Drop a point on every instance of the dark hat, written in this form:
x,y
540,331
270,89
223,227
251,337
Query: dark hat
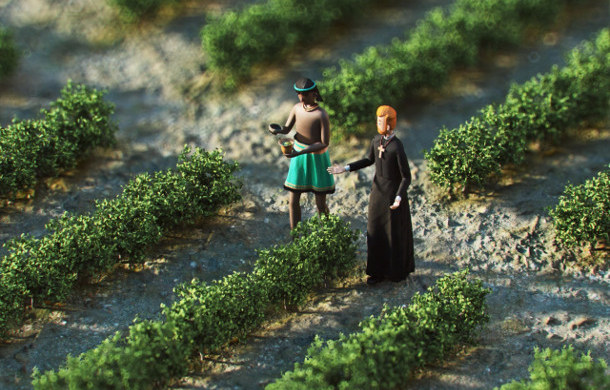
x,y
305,85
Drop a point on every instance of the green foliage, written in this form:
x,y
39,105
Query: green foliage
x,y
388,348
210,315
583,212
9,56
82,118
20,147
76,123
469,149
441,42
323,248
266,32
12,295
120,229
542,109
134,10
563,370
205,316
123,362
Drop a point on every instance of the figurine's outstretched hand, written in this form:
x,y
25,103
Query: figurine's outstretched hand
x,y
396,204
336,169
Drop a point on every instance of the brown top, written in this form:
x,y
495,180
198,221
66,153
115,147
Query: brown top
x,y
311,126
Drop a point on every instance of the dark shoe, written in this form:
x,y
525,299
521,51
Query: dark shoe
x,y
374,280
397,280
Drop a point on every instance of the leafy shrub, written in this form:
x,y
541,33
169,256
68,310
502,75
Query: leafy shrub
x,y
76,123
12,296
81,117
134,10
388,348
583,212
441,42
322,249
121,229
20,145
542,109
122,362
9,56
266,32
206,316
563,370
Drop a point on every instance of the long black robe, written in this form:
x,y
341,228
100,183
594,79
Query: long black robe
x,y
389,232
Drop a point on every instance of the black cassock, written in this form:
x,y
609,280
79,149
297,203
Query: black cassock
x,y
389,232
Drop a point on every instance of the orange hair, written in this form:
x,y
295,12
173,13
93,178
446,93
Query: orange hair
x,y
390,113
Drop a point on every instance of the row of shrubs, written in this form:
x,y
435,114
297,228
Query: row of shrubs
x,y
582,214
261,33
542,109
264,33
387,349
118,230
205,316
76,123
9,55
444,40
563,370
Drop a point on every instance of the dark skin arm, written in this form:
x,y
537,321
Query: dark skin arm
x,y
274,129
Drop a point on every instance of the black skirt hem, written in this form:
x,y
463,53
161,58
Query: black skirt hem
x,y
310,190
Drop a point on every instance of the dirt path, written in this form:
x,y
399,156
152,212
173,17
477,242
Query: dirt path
x,y
154,77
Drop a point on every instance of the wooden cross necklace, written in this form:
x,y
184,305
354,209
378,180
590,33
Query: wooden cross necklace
x,y
382,147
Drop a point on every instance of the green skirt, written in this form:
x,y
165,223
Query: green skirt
x,y
307,172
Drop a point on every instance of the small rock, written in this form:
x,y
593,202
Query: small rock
x,y
553,336
550,320
581,322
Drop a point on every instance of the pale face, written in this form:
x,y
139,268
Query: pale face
x,y
382,125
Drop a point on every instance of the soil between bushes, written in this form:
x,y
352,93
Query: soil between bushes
x,y
155,74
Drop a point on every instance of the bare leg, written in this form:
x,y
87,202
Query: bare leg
x,y
321,203
294,208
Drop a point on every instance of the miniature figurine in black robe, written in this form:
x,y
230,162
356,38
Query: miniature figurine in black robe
x,y
389,230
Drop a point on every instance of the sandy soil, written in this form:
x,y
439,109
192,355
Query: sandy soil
x,y
155,74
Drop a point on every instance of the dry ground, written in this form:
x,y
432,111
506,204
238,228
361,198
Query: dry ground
x,y
154,76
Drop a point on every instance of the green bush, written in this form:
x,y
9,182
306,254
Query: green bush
x,y
9,56
582,214
76,123
20,148
383,354
118,230
134,10
205,316
442,41
563,370
130,362
542,109
266,32
323,249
